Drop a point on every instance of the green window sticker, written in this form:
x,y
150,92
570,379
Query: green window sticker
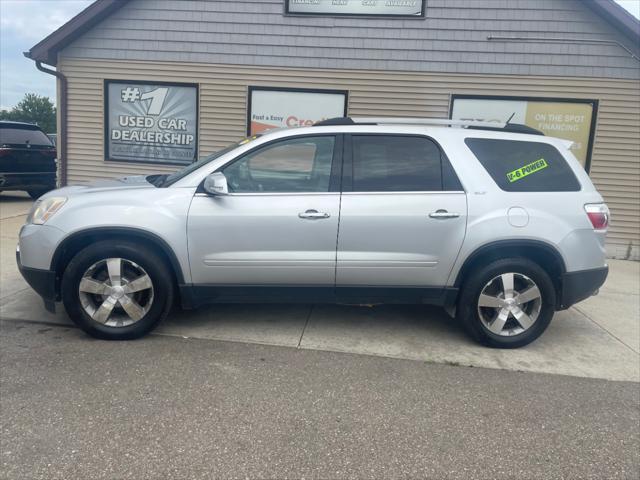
x,y
533,167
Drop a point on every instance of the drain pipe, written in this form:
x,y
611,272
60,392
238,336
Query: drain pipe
x,y
61,144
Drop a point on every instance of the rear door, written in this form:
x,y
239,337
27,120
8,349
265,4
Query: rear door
x,y
403,215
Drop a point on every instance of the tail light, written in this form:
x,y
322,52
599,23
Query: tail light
x,y
598,214
49,152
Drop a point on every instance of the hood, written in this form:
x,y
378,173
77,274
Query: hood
x,y
124,183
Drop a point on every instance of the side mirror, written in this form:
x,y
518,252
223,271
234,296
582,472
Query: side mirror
x,y
216,184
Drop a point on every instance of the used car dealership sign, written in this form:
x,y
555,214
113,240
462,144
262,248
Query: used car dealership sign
x,y
151,122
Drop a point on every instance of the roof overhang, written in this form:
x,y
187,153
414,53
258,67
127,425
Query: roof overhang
x,y
46,51
617,16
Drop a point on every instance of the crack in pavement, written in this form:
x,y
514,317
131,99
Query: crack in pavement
x,y
605,330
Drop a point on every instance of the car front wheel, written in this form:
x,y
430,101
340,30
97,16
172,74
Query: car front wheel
x,y
117,290
507,304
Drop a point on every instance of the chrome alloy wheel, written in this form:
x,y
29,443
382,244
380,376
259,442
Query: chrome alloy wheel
x,y
509,304
116,292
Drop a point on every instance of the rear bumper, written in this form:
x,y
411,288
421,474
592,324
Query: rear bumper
x,y
576,286
42,281
19,181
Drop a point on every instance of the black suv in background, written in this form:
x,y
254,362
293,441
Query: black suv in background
x,y
27,159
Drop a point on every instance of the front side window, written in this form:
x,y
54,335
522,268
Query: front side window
x,y
519,166
293,165
396,163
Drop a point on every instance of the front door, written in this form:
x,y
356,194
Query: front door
x,y
279,223
403,221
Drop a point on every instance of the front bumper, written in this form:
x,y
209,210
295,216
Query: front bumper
x,y
44,282
576,286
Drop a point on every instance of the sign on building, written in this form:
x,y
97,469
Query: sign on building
x,y
292,107
569,119
151,122
389,8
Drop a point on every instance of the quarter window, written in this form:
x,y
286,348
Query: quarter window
x,y
397,163
294,165
518,166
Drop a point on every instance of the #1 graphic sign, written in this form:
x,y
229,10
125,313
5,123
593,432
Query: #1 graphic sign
x,y
151,122
288,107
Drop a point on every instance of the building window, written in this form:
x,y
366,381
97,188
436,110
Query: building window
x,y
567,118
272,107
152,122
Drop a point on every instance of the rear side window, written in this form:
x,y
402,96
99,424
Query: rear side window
x,y
518,166
399,163
22,135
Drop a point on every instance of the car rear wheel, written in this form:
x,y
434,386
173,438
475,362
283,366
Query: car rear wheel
x,y
117,290
507,304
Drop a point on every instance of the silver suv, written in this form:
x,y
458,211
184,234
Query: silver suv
x,y
497,223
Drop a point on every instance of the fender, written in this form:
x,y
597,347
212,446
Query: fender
x,y
129,232
521,244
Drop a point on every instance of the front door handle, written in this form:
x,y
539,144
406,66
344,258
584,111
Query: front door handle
x,y
313,215
443,214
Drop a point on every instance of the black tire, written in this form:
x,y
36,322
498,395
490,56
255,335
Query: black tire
x,y
153,264
36,193
467,311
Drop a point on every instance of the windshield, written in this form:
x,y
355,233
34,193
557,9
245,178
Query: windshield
x,y
166,180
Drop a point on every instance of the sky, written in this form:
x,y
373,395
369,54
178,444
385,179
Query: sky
x,y
23,23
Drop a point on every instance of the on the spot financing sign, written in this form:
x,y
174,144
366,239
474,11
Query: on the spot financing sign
x,y
289,107
567,119
149,122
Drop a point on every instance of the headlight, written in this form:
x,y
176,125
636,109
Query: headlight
x,y
43,210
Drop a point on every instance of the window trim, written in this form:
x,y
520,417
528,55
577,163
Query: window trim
x,y
347,168
334,176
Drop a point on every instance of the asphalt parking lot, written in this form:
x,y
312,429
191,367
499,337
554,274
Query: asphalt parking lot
x,y
168,407
316,391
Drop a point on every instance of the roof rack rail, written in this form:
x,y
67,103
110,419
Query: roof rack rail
x,y
425,121
407,121
472,124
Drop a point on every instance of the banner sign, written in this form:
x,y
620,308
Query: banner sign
x,y
292,107
151,122
569,119
388,8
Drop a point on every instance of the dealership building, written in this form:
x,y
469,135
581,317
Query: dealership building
x,y
146,86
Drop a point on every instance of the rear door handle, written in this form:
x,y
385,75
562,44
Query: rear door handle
x,y
313,215
443,214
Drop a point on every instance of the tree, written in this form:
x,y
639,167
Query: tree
x,y
33,108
